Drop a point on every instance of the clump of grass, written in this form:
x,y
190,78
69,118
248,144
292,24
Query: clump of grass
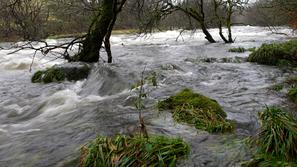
x,y
277,139
292,81
198,110
292,94
278,133
238,50
122,151
276,54
277,87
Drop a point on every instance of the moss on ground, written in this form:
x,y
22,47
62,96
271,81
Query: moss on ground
x,y
123,151
283,54
277,139
198,110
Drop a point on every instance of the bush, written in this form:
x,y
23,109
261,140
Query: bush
x,y
276,54
195,109
122,151
277,139
237,50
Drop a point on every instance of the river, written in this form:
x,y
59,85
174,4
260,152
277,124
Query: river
x,y
46,124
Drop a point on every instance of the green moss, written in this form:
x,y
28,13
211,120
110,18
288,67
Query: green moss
x,y
37,77
49,75
277,140
122,151
53,75
198,110
237,50
275,54
292,94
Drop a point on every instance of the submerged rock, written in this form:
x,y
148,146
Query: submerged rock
x,y
68,71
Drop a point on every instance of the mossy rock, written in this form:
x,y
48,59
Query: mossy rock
x,y
59,73
124,151
283,54
198,110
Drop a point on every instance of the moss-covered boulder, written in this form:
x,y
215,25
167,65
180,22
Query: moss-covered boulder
x,y
124,151
276,54
198,110
59,73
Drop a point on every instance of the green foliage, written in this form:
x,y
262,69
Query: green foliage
x,y
195,109
37,77
237,50
48,76
122,151
53,75
278,133
251,49
292,81
283,54
277,139
292,94
277,87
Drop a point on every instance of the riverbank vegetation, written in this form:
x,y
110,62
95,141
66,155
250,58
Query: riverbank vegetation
x,y
276,54
276,141
197,110
134,151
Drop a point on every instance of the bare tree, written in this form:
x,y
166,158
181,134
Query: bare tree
x,y
28,17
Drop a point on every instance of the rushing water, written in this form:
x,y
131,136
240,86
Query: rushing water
x,y
46,124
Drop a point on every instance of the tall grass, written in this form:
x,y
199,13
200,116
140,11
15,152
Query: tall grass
x,y
277,139
137,151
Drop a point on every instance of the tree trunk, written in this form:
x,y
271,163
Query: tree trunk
x,y
220,25
206,33
94,39
228,21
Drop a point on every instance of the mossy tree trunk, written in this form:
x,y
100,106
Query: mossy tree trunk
x,y
92,44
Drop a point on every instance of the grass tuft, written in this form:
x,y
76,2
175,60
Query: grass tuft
x,y
292,94
277,139
283,54
238,50
123,151
198,110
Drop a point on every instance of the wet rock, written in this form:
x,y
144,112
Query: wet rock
x,y
68,71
